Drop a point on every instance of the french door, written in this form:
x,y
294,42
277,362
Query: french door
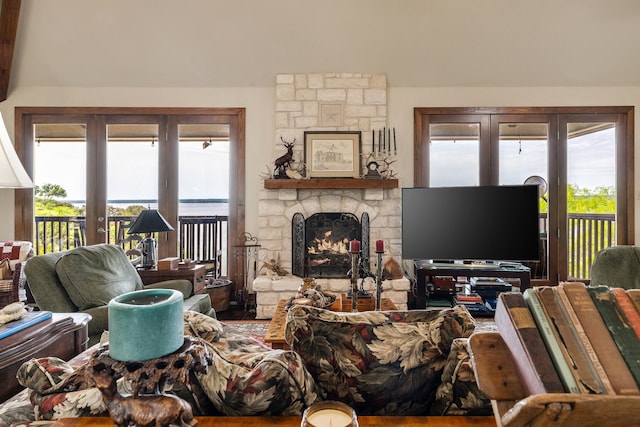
x,y
581,159
103,158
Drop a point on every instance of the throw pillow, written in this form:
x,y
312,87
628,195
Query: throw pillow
x,y
93,275
5,270
379,363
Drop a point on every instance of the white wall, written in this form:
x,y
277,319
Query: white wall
x,y
259,103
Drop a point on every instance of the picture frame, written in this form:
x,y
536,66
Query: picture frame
x,y
330,154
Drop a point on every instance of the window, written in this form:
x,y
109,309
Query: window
x,y
581,158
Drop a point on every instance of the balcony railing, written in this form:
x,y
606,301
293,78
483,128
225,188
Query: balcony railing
x,y
588,234
200,238
204,238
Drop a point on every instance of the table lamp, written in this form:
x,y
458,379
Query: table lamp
x,y
149,221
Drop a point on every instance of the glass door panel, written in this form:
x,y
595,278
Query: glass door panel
x,y
454,154
523,152
203,194
591,193
132,178
60,165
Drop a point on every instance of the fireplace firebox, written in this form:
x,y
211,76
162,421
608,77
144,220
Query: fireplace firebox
x,y
321,243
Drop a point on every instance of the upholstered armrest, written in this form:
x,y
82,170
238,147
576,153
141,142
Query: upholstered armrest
x,y
182,285
99,320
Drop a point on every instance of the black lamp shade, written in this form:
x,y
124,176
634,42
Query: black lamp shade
x,y
149,221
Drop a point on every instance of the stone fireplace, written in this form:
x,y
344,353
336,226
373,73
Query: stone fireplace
x,y
301,99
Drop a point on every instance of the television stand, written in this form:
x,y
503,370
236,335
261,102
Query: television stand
x,y
425,270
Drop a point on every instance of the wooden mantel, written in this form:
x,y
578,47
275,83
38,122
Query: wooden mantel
x,y
329,183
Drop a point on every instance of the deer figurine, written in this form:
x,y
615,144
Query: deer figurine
x,y
284,161
159,410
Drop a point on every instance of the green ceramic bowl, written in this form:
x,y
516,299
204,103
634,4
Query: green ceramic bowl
x,y
145,324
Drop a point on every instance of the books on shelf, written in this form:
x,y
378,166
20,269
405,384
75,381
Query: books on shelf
x,y
587,334
552,343
599,338
582,336
521,334
628,308
572,350
30,319
468,298
634,295
620,329
473,303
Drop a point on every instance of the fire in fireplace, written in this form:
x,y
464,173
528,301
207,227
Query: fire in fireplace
x,y
320,243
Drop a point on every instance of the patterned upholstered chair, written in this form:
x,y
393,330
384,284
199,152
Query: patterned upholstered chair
x,y
13,254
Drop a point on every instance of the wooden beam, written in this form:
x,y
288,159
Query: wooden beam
x,y
9,14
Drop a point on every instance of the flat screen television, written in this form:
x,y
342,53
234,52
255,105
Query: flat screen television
x,y
486,223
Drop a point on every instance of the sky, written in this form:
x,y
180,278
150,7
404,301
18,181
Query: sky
x,y
133,169
591,161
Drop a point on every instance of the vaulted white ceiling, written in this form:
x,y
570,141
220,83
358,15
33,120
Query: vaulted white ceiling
x,y
244,43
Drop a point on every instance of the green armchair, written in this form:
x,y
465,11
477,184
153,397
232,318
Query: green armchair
x,y
617,266
85,279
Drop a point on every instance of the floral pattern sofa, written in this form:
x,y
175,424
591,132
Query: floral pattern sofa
x,y
394,363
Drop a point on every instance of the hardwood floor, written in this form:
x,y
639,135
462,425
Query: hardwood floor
x,y
236,312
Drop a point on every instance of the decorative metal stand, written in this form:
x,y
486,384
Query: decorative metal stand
x,y
248,250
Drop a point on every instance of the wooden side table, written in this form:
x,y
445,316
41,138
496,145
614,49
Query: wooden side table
x,y
195,275
65,336
275,332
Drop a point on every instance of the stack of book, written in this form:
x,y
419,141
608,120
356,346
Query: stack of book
x,y
591,336
30,319
472,301
489,287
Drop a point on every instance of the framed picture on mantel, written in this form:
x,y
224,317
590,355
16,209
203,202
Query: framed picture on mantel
x,y
330,154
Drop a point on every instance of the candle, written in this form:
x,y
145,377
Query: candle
x,y
379,139
329,413
354,246
373,141
329,418
395,150
379,246
384,139
389,140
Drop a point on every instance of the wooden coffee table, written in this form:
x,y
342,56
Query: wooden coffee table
x,y
275,332
223,421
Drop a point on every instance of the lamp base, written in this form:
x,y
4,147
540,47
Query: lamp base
x,y
149,253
